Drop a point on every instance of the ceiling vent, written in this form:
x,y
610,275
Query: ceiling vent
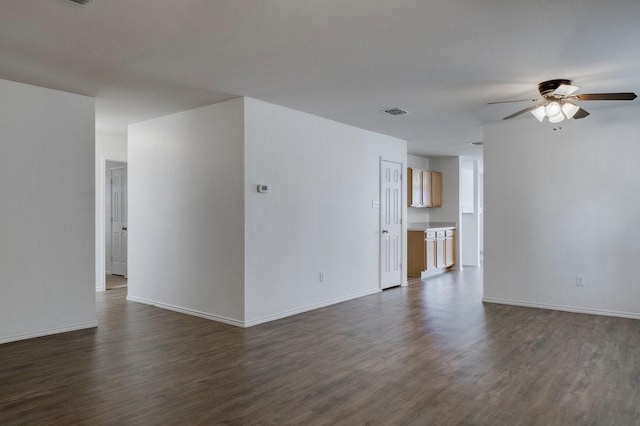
x,y
81,2
395,111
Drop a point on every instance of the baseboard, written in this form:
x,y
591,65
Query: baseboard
x,y
563,308
307,308
187,311
251,323
48,332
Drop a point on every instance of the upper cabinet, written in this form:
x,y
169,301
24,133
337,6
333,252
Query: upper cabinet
x,y
436,189
414,178
425,189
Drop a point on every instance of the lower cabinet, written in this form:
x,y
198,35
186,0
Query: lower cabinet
x,y
449,247
440,250
416,253
430,251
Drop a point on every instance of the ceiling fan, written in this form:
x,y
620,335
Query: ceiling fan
x,y
557,101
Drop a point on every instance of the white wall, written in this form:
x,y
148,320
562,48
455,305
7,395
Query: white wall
x,y
470,246
108,147
204,242
318,215
467,183
450,210
561,203
186,211
46,250
415,214
481,212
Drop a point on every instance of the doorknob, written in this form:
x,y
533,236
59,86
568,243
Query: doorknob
x,y
385,231
124,228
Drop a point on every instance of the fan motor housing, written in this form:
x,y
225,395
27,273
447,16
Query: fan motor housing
x,y
547,87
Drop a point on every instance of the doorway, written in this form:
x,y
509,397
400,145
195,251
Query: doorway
x,y
116,202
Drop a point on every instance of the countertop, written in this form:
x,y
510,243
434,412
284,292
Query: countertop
x,y
423,226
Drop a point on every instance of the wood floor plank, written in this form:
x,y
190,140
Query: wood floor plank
x,y
430,353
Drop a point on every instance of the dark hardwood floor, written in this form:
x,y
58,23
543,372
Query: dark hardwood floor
x,y
114,281
430,353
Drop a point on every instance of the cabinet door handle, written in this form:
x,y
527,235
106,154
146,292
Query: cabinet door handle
x,y
385,231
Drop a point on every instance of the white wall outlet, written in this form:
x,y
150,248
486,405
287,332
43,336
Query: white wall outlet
x,y
321,276
263,189
580,280
375,204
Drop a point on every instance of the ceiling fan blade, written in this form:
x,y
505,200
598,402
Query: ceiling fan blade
x,y
515,100
580,114
629,96
565,90
514,115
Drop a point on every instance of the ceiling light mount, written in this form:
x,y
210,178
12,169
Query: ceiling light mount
x,y
547,88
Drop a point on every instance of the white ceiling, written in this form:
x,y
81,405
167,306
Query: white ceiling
x,y
346,60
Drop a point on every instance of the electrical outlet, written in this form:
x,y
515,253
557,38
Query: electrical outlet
x,y
580,280
321,277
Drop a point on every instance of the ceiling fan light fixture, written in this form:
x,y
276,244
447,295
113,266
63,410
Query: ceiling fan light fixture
x,y
556,118
553,109
569,109
539,113
557,101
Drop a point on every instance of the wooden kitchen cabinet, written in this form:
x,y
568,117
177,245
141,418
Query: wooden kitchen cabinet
x,y
449,248
436,189
424,188
415,186
440,249
431,264
430,251
416,253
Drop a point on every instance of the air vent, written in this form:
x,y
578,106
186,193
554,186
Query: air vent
x,y
81,2
479,143
395,111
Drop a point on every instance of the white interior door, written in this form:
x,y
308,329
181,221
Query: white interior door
x,y
119,221
390,224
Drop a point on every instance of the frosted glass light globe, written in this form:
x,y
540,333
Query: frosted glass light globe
x,y
552,109
539,113
556,118
570,109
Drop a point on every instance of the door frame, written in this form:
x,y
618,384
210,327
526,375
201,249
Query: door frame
x,y
403,220
109,223
100,226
